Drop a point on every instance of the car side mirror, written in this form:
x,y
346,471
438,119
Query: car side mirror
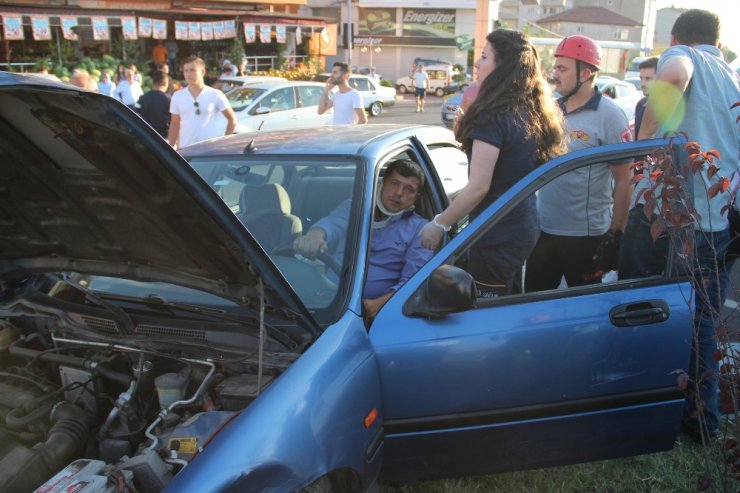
x,y
448,290
262,110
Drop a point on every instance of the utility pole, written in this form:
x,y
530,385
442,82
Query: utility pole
x,y
349,34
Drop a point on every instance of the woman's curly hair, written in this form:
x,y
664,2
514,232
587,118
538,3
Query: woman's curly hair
x,y
516,87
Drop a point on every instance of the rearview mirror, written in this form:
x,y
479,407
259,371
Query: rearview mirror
x,y
448,290
262,110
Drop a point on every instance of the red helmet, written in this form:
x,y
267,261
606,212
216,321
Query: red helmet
x,y
580,48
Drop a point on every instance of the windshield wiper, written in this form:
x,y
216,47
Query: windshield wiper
x,y
156,300
119,314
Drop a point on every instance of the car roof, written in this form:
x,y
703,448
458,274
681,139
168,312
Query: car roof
x,y
335,140
248,78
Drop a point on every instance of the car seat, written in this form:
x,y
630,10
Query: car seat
x,y
265,211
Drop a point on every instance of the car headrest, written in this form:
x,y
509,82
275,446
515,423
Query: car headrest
x,y
270,198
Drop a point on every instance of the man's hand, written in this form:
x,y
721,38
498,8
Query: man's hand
x,y
373,306
607,253
431,234
311,244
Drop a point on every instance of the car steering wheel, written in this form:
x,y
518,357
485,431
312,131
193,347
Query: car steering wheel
x,y
327,259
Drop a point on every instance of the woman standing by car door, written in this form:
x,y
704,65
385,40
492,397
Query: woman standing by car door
x,y
512,127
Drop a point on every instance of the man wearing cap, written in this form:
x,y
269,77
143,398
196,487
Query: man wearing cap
x,y
582,214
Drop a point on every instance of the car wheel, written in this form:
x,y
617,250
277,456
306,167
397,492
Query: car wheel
x,y
376,108
402,89
439,92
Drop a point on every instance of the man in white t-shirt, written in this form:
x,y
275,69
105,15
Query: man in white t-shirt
x,y
347,102
128,91
194,109
421,81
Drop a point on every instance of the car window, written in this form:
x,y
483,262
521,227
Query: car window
x,y
279,200
309,95
243,97
279,100
524,263
362,85
225,85
452,167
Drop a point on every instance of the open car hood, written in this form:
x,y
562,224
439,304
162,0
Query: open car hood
x,y
87,186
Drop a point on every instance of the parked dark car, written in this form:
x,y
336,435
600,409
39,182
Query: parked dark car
x,y
159,332
449,107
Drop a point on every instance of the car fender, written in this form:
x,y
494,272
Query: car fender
x,y
311,421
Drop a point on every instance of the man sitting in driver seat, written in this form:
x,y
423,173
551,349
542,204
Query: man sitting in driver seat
x,y
395,250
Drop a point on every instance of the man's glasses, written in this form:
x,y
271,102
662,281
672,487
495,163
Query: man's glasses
x,y
197,107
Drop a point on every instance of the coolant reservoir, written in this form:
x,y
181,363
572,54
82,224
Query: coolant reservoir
x,y
171,387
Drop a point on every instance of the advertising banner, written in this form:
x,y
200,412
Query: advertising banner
x,y
100,28
265,31
280,33
13,26
181,30
40,27
67,23
218,30
145,27
298,35
159,29
324,42
230,29
433,23
377,22
250,35
194,31
128,26
206,31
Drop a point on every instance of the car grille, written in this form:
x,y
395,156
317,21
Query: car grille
x,y
161,330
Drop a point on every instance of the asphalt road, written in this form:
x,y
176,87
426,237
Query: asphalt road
x,y
404,112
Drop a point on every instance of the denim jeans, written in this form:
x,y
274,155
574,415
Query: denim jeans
x,y
710,284
641,257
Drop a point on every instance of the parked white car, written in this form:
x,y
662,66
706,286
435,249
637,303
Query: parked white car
x,y
374,96
226,84
623,93
277,105
440,80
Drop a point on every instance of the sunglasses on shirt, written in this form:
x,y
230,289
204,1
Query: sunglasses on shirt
x,y
197,107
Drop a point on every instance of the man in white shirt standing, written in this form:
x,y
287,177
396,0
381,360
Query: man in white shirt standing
x,y
128,91
347,102
421,81
194,109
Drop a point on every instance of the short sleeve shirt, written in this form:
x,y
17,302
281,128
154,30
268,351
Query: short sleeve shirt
x,y
208,123
345,104
517,157
580,203
420,79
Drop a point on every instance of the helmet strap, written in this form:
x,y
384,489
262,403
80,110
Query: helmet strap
x,y
578,82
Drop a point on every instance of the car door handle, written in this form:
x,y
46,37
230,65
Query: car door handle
x,y
639,313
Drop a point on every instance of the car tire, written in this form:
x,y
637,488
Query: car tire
x,y
402,89
440,92
376,108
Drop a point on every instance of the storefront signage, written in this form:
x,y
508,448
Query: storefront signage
x,y
67,23
145,27
12,26
128,26
206,31
250,35
377,22
193,31
181,30
280,33
159,29
427,22
359,41
40,27
265,32
100,28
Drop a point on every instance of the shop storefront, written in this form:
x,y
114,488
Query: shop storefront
x,y
71,34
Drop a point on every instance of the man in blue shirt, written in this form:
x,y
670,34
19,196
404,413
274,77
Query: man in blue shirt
x,y
693,68
395,250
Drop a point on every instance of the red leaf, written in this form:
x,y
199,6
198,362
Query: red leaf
x,y
657,228
712,170
735,105
696,165
640,194
724,184
688,246
714,190
637,178
638,165
713,152
730,443
648,208
655,174
692,147
724,209
718,354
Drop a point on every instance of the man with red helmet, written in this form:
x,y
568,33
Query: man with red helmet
x,y
583,213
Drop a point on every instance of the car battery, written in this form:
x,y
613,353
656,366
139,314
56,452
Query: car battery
x,y
85,476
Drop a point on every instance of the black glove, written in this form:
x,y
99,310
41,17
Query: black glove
x,y
607,253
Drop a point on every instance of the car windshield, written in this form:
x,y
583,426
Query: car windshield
x,y
243,97
280,199
225,85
